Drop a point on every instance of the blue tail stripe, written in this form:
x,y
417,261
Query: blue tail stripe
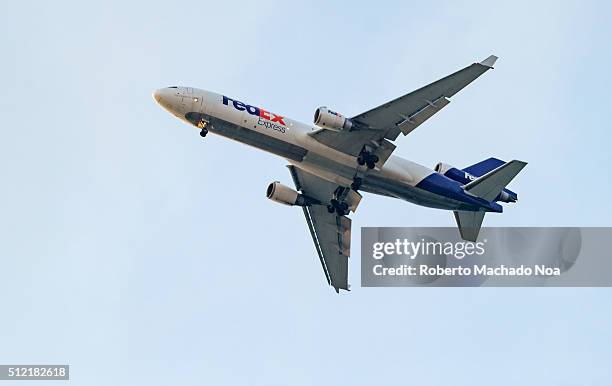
x,y
483,167
461,177
441,185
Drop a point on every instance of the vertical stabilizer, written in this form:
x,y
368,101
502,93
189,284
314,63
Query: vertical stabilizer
x,y
469,224
483,167
487,187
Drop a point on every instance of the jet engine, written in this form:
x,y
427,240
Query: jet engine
x,y
442,168
285,195
453,173
331,120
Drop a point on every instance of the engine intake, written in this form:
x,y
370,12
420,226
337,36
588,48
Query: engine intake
x,y
331,120
453,173
287,196
442,168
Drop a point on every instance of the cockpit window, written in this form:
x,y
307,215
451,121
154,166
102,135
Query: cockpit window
x,y
172,87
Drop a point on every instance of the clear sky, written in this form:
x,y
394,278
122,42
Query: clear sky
x,y
141,254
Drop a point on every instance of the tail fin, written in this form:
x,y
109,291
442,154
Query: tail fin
x,y
492,183
469,224
483,167
487,187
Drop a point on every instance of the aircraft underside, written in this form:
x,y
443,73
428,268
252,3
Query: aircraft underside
x,y
374,181
335,161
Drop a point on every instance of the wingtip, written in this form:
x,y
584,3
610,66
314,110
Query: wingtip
x,y
490,61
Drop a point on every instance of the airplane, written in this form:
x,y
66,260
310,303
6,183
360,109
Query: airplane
x,y
335,160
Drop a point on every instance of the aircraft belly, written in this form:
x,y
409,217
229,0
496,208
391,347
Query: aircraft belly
x,y
382,186
398,178
378,182
257,139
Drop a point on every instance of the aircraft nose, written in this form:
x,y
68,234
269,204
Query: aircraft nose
x,y
175,100
166,97
157,95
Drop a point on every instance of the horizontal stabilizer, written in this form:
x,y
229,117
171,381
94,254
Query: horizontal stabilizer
x,y
491,184
490,61
469,224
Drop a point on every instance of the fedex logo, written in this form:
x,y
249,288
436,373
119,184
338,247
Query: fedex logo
x,y
253,110
469,176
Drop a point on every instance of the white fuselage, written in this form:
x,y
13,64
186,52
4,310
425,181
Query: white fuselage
x,y
289,139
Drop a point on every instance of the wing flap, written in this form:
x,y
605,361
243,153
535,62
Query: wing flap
x,y
415,120
313,234
383,152
332,239
330,233
385,117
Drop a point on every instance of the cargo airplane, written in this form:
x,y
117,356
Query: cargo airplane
x,y
335,160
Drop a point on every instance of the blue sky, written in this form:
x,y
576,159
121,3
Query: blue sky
x,y
140,254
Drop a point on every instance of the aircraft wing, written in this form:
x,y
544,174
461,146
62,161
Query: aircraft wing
x,y
330,233
402,115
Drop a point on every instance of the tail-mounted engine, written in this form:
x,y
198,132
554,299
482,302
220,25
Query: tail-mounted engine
x,y
285,195
331,120
453,173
